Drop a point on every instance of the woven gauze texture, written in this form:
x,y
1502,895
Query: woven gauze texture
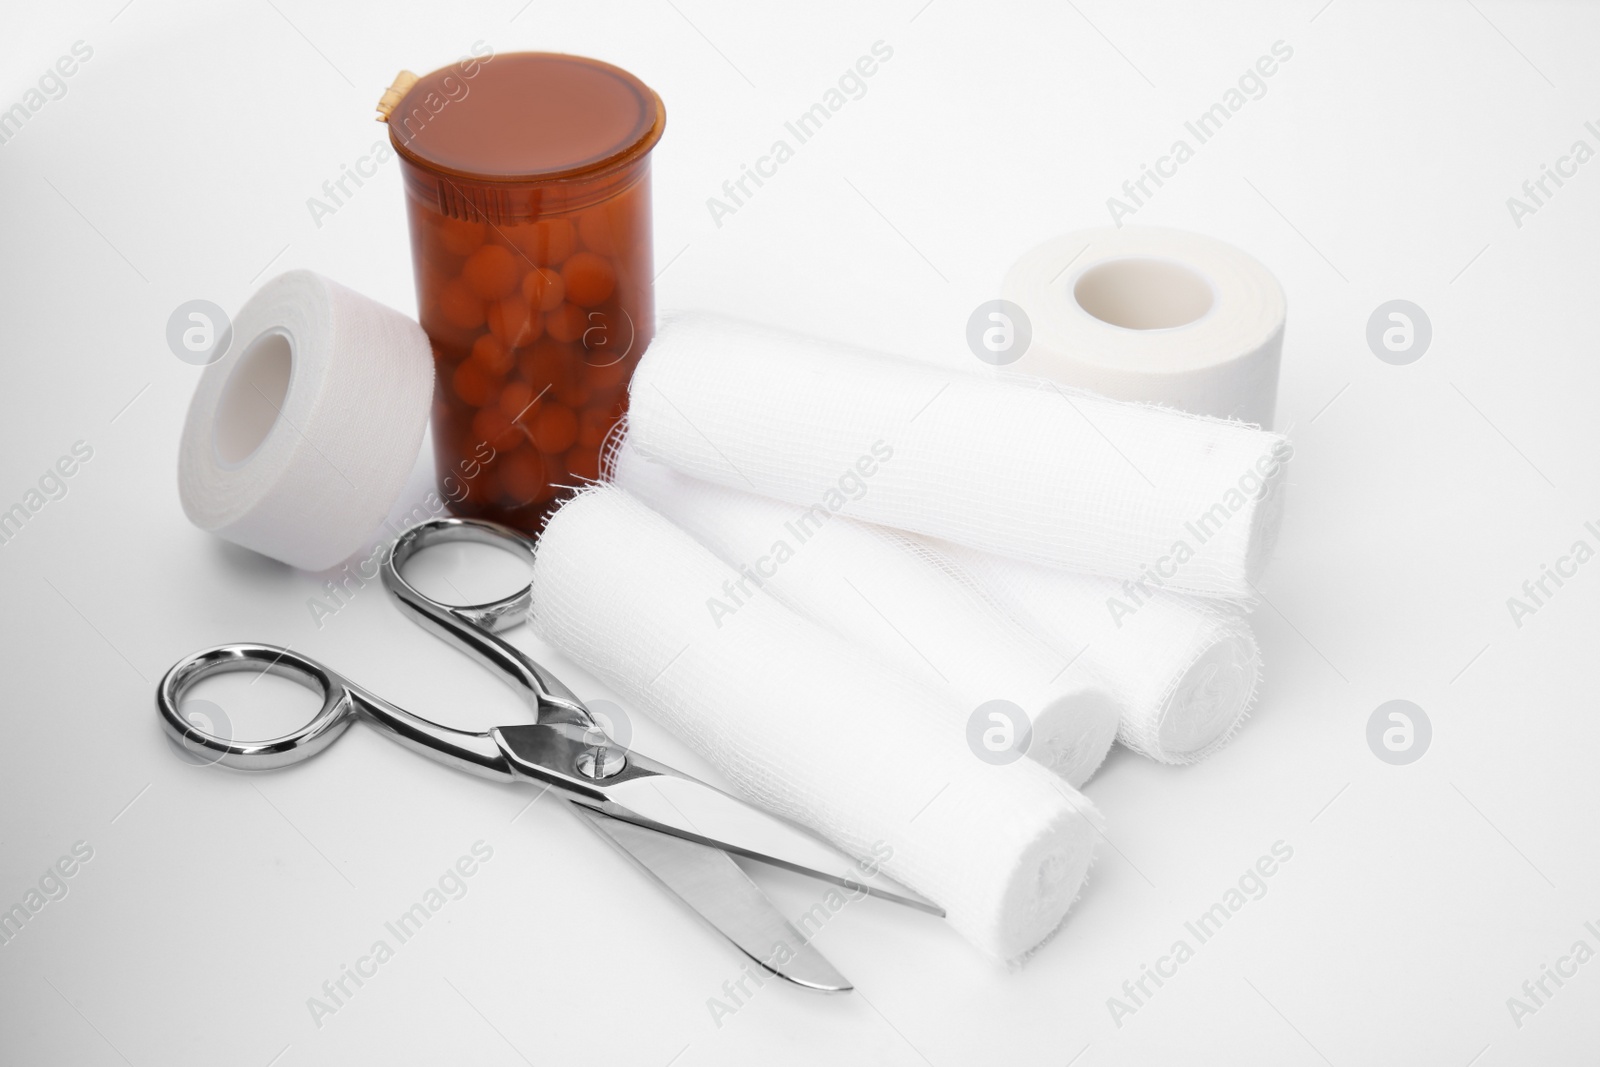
x,y
803,724
882,593
1013,465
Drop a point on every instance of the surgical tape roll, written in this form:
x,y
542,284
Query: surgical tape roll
x,y
1184,671
1009,464
301,437
890,598
805,725
1155,315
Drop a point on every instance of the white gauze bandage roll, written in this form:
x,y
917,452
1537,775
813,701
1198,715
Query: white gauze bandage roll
x,y
1151,314
801,723
893,600
301,437
1185,671
1008,464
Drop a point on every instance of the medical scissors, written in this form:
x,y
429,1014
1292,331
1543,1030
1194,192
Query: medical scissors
x,y
677,828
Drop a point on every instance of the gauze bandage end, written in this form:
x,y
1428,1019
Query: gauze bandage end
x,y
803,724
1184,671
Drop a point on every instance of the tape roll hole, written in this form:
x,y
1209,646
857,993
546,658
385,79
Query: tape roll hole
x,y
253,397
1144,294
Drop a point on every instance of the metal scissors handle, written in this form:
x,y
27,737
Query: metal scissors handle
x,y
475,628
342,703
472,628
564,748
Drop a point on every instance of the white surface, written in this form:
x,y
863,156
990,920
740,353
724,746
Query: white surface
x,y
1376,166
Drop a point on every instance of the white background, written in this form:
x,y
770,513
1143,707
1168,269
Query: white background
x,y
1377,166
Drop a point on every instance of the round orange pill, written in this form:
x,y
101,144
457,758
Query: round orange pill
x,y
491,424
458,236
514,321
491,355
460,306
522,477
543,288
590,278
491,271
566,323
572,390
554,427
472,383
546,362
516,398
547,242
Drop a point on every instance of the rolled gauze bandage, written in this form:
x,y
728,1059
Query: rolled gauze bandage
x,y
804,725
1184,671
892,600
301,437
1009,464
1156,315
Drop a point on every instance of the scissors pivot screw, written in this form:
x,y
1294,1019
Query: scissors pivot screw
x,y
601,763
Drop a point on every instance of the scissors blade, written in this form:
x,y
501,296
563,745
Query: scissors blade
x,y
639,790
712,885
689,808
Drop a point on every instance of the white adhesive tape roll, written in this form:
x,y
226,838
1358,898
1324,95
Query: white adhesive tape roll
x,y
1157,315
300,438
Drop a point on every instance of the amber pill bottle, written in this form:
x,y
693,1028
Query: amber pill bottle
x,y
527,183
